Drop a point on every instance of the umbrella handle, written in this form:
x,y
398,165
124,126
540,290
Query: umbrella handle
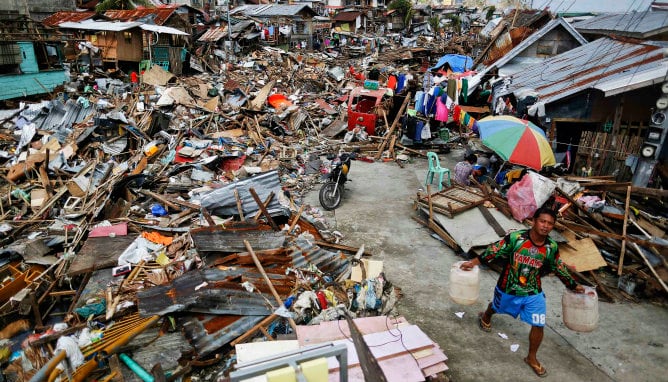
x,y
500,168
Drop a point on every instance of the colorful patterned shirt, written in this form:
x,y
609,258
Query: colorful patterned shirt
x,y
524,263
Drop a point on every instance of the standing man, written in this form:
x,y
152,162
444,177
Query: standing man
x,y
527,255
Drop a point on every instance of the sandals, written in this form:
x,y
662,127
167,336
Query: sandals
x,y
484,326
537,368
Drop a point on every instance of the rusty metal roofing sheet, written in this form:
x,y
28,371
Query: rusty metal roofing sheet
x,y
634,24
217,239
213,291
207,333
214,34
160,14
591,66
63,16
347,16
304,252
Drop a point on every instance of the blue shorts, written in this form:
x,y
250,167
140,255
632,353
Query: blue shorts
x,y
531,309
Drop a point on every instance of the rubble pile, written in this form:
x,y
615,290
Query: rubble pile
x,y
166,213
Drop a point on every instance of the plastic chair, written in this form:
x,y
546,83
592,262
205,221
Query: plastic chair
x,y
436,169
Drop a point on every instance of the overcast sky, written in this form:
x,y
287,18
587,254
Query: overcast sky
x,y
592,5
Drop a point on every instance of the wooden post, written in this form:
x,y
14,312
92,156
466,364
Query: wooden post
x,y
393,127
263,209
626,220
239,207
269,284
35,309
266,203
294,222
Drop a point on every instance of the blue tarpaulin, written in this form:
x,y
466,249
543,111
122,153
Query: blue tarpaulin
x,y
458,62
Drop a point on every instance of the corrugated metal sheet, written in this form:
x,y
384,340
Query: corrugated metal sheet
x,y
62,115
590,66
207,333
223,203
217,33
217,239
212,291
520,47
114,26
269,10
347,16
163,29
214,34
304,252
63,16
634,24
160,14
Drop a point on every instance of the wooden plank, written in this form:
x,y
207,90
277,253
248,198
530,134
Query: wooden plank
x,y
582,255
626,221
99,253
263,209
491,221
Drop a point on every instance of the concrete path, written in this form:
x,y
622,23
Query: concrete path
x,y
629,345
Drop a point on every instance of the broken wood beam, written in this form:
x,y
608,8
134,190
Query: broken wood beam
x,y
250,332
263,208
296,219
268,281
626,220
161,199
340,247
239,207
586,212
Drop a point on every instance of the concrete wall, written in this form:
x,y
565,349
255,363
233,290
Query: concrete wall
x,y
38,9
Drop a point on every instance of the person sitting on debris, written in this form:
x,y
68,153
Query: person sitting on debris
x,y
464,169
527,255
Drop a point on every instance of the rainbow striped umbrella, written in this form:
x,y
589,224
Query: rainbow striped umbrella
x,y
516,141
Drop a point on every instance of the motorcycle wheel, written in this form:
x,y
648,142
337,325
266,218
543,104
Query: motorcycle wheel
x,y
330,196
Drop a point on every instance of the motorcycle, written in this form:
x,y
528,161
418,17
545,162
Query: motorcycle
x,y
331,192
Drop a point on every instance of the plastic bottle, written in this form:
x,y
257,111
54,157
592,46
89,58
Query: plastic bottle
x,y
464,285
580,310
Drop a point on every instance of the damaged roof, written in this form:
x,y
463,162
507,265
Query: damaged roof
x,y
523,46
161,14
269,10
607,64
63,16
640,25
347,16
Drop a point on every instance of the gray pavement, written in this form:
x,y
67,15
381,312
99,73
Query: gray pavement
x,y
630,343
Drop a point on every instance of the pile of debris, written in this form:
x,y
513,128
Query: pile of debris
x,y
611,235
159,223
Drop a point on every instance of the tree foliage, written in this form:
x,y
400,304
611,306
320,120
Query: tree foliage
x,y
405,9
489,13
455,23
435,23
106,5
